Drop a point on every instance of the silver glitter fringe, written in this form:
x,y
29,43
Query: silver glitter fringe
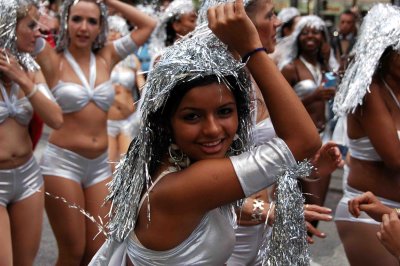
x,y
63,38
289,50
288,243
199,55
380,29
9,11
206,4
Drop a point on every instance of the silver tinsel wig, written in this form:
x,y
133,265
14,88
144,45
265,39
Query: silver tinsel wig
x,y
118,24
289,48
63,37
11,11
380,30
286,15
197,56
173,12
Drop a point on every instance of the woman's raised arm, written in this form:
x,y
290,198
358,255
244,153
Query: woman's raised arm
x,y
291,121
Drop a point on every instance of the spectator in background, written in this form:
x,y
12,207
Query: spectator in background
x,y
344,37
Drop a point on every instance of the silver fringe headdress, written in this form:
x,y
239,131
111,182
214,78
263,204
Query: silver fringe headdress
x,y
118,24
206,4
63,37
380,29
285,15
10,11
175,9
289,50
196,56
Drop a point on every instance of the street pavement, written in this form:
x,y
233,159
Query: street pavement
x,y
325,252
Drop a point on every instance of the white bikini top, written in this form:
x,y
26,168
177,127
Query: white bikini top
x,y
73,97
305,87
362,148
19,109
123,76
263,132
211,243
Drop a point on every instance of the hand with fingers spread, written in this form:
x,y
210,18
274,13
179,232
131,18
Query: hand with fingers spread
x,y
389,233
314,212
227,20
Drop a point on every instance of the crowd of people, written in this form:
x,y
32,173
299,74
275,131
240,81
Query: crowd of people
x,y
187,143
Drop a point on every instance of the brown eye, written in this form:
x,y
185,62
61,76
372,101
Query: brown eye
x,y
76,18
93,21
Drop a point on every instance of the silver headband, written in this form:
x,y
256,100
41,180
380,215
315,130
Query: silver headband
x,y
380,29
10,10
63,38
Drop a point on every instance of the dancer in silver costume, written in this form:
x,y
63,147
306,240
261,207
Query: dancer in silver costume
x,y
253,212
198,98
22,91
78,72
369,96
124,78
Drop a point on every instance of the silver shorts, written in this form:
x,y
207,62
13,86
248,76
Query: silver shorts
x,y
116,127
64,163
342,209
19,183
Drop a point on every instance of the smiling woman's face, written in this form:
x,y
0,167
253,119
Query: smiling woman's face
x,y
310,39
205,122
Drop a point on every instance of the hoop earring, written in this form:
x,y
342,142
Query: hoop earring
x,y
177,157
240,148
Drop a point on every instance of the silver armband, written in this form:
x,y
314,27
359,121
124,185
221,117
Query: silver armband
x,y
125,46
260,167
44,89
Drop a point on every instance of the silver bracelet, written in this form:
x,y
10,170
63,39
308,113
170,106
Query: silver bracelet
x,y
33,92
258,208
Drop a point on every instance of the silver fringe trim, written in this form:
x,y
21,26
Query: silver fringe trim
x,y
379,30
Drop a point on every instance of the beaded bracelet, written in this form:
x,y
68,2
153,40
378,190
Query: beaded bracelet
x,y
247,56
33,92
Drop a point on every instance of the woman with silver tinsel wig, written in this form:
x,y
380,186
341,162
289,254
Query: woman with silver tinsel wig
x,y
178,19
304,61
369,95
75,162
171,194
22,91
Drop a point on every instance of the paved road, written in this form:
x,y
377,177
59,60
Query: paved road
x,y
326,252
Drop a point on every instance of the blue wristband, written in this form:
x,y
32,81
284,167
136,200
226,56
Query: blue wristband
x,y
247,56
